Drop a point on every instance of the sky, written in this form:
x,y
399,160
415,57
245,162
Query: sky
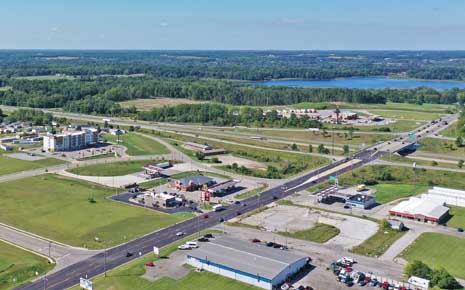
x,y
233,24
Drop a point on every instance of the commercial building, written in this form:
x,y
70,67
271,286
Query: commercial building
x,y
206,150
361,201
194,182
421,210
247,262
445,195
222,188
69,141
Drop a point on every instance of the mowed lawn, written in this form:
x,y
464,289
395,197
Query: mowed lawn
x,y
112,168
21,265
438,250
457,219
138,145
319,233
438,146
60,209
386,192
11,165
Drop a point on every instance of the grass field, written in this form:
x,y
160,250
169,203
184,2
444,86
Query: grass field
x,y
377,244
457,219
139,145
113,168
128,277
339,138
319,233
438,250
386,192
19,265
449,131
46,78
147,104
59,208
12,165
412,115
396,158
435,145
403,175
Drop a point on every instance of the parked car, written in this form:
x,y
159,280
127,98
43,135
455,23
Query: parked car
x,y
202,239
256,241
180,234
460,230
208,236
270,244
149,264
184,247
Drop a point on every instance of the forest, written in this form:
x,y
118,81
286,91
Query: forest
x,y
94,82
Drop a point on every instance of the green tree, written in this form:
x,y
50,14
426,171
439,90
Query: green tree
x,y
460,163
418,269
442,279
310,148
459,141
346,149
294,147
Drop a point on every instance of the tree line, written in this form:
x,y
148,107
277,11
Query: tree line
x,y
221,115
101,95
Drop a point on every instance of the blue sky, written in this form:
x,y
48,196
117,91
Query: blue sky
x,y
234,24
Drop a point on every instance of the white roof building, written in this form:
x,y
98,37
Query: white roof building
x,y
445,195
420,210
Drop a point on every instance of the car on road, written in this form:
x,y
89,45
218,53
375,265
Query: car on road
x,y
202,239
237,202
256,241
179,234
129,254
209,236
460,230
205,216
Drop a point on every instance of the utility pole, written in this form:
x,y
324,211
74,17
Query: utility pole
x,y
105,262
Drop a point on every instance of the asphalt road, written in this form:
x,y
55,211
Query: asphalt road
x,y
116,256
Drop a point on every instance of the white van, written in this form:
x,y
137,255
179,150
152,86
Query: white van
x,y
218,207
192,244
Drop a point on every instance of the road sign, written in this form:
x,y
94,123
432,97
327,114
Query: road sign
x,y
412,135
332,178
86,284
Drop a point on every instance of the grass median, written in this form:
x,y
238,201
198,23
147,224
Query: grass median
x,y
138,145
18,266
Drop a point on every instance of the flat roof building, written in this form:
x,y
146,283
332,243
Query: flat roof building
x,y
69,141
247,262
421,210
445,195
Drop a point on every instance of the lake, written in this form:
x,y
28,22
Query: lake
x,y
365,83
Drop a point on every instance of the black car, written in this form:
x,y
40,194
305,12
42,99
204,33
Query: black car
x,y
221,220
208,236
129,254
270,244
238,213
237,202
203,239
275,197
460,230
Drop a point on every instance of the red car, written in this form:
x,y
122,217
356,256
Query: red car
x,y
149,264
256,241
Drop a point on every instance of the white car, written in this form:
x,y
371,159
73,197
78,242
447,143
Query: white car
x,y
184,247
179,234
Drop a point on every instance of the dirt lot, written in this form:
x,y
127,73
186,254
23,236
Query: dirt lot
x,y
229,160
290,218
